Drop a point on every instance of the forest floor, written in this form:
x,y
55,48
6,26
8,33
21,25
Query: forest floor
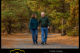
x,y
24,40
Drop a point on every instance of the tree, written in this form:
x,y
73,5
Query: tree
x,y
73,20
63,14
13,13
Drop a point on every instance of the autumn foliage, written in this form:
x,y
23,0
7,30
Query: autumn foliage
x,y
14,13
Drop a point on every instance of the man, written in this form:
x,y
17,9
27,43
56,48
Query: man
x,y
45,24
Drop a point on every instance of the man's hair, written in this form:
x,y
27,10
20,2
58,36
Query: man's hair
x,y
42,13
33,15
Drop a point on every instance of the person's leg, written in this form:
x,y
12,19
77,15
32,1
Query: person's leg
x,y
36,35
46,33
42,34
32,31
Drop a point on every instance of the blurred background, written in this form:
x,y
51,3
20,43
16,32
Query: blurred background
x,y
63,15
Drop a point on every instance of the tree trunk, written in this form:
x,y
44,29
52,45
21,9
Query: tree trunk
x,y
62,29
20,29
49,30
63,10
53,29
9,27
6,28
30,11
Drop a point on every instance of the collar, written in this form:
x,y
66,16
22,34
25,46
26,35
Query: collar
x,y
34,19
43,17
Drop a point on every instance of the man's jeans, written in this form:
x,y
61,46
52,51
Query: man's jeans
x,y
44,30
34,35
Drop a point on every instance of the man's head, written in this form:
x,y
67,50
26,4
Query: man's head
x,y
42,14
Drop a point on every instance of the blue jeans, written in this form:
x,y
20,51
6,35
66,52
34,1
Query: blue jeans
x,y
44,30
34,35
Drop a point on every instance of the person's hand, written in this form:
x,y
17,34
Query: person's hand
x,y
48,27
29,30
38,27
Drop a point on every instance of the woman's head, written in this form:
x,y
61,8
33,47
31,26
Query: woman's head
x,y
33,16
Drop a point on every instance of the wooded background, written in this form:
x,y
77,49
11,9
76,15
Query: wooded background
x,y
63,15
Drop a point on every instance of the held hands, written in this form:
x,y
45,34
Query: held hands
x,y
38,27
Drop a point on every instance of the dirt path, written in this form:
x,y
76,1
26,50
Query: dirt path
x,y
24,40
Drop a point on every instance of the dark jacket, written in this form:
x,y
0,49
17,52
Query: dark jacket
x,y
44,22
33,24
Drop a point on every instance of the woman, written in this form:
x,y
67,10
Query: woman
x,y
33,27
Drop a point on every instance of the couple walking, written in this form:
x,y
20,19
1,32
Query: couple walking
x,y
34,26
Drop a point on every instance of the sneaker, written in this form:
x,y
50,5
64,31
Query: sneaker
x,y
42,43
45,43
36,42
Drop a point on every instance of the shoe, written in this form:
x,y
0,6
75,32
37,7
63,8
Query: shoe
x,y
45,43
42,43
36,42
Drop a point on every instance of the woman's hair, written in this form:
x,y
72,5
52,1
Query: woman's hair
x,y
33,15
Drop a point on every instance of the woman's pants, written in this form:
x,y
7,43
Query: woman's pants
x,y
34,35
